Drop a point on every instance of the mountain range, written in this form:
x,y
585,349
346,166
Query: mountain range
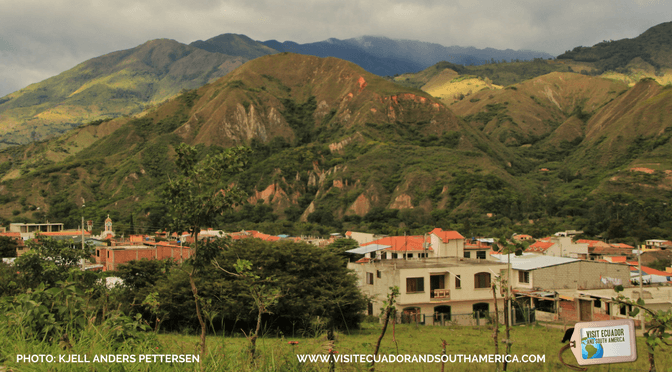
x,y
129,81
335,145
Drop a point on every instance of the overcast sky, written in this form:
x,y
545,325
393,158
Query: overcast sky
x,y
39,39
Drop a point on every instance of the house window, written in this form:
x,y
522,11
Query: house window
x,y
97,252
458,282
482,280
383,256
524,276
422,255
415,285
467,254
394,255
408,255
369,278
481,255
481,310
379,274
626,309
370,308
445,310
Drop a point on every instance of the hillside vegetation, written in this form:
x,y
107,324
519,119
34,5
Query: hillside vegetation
x,y
117,84
335,147
653,48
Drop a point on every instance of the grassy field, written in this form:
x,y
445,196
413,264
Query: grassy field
x,y
277,354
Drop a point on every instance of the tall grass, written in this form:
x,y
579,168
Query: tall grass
x,y
277,354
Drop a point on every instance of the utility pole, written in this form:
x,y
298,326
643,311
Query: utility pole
x,y
83,250
641,290
510,288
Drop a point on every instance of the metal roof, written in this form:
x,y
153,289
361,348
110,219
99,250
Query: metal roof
x,y
529,261
368,249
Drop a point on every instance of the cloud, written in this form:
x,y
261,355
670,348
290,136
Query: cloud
x,y
43,38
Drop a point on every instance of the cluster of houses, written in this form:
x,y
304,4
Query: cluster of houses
x,y
441,275
112,250
444,277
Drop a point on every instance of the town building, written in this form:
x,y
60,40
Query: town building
x,y
559,246
28,230
539,272
108,233
433,289
113,256
478,248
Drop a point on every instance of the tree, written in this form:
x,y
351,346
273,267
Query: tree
x,y
196,196
49,261
263,291
313,283
389,308
7,247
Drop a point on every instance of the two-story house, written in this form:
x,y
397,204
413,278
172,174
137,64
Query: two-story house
x,y
452,289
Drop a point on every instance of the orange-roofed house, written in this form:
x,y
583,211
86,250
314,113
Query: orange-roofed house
x,y
447,243
539,247
477,249
559,246
523,238
412,246
622,246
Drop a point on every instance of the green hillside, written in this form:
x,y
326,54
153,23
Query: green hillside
x,y
117,84
234,45
335,147
653,47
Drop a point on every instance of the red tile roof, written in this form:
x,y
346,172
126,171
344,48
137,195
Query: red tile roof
x,y
651,271
470,244
619,259
11,234
539,246
592,243
622,245
402,243
166,244
253,234
446,236
64,233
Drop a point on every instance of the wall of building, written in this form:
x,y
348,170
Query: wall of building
x,y
453,248
461,300
112,257
564,247
579,274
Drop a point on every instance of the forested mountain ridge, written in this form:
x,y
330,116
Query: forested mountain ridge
x,y
116,84
335,147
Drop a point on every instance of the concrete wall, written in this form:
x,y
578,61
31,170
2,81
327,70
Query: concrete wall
x,y
452,248
580,274
564,247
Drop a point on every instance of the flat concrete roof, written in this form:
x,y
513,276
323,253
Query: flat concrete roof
x,y
436,263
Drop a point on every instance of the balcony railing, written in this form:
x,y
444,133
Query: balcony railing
x,y
440,294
